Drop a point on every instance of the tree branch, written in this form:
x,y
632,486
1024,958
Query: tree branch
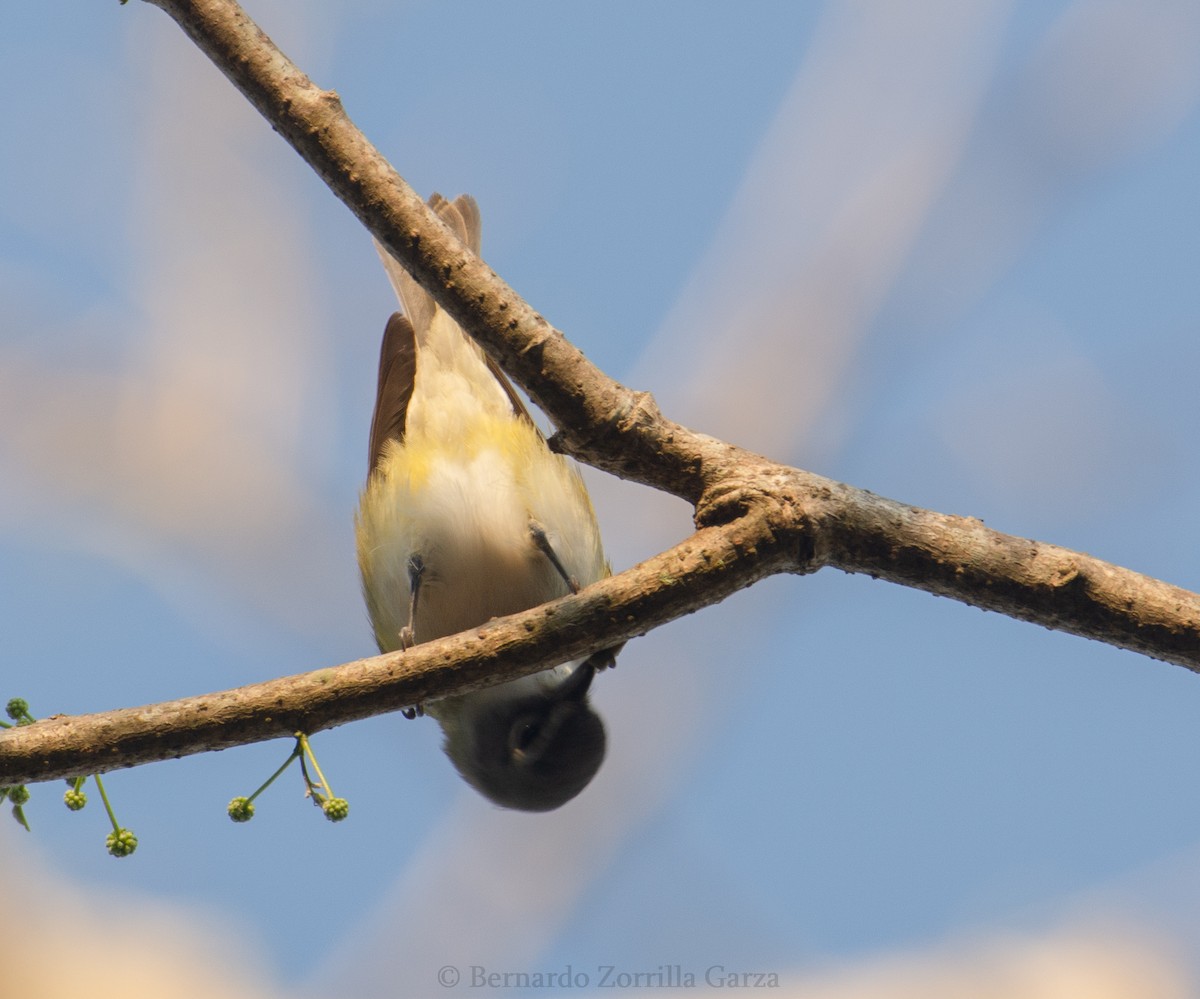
x,y
705,568
754,517
809,522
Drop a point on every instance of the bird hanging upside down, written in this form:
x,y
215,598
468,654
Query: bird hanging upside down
x,y
468,515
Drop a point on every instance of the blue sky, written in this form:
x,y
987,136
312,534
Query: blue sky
x,y
946,253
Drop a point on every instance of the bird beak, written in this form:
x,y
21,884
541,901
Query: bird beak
x,y
575,687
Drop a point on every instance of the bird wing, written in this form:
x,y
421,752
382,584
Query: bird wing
x,y
397,377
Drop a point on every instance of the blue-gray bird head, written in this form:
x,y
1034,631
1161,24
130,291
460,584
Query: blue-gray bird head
x,y
528,744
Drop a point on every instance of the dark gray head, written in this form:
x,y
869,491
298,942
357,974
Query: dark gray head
x,y
532,751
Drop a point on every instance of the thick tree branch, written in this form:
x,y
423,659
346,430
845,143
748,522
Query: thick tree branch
x,y
755,517
707,567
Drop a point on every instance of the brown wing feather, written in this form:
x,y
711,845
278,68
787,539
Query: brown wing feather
x,y
397,371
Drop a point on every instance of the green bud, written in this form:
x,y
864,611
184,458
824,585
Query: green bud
x,y
241,809
121,843
336,809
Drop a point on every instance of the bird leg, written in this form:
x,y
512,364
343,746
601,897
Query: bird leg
x,y
538,533
605,658
416,569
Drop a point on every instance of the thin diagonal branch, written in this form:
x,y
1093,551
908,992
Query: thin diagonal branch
x,y
598,420
756,517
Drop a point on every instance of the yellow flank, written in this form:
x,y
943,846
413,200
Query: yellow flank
x,y
480,562
412,461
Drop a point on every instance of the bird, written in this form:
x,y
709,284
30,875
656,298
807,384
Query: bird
x,y
468,515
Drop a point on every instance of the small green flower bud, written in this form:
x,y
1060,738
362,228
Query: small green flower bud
x,y
121,843
336,809
19,794
74,800
17,709
241,809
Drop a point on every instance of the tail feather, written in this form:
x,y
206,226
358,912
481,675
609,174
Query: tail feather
x,y
461,216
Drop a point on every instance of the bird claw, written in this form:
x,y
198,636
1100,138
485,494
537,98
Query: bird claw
x,y
605,658
416,711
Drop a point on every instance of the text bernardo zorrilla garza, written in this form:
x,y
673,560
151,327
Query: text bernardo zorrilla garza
x,y
609,976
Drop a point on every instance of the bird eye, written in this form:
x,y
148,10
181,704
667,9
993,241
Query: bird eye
x,y
523,734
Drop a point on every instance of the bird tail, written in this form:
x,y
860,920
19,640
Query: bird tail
x,y
462,217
